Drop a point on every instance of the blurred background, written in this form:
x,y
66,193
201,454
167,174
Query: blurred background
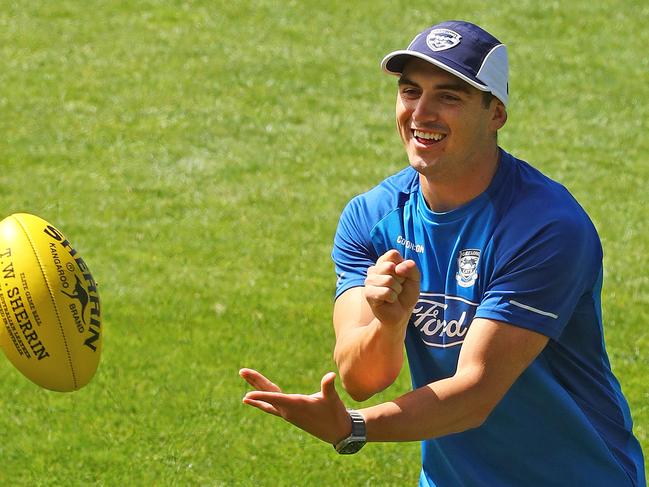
x,y
198,155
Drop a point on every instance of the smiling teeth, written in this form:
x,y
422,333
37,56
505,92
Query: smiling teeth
x,y
428,135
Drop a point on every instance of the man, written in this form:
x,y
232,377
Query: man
x,y
491,274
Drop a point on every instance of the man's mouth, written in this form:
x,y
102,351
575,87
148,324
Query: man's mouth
x,y
428,138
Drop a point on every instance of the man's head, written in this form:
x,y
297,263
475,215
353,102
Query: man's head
x,y
449,110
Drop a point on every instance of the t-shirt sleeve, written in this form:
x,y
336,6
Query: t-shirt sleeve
x,y
353,252
541,275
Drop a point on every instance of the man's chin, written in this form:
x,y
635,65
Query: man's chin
x,y
423,166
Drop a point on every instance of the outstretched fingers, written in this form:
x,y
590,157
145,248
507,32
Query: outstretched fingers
x,y
321,414
264,406
277,403
258,381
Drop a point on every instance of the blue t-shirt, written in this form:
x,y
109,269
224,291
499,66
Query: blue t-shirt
x,y
523,252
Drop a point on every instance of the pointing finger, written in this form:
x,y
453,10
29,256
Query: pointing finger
x,y
283,403
264,406
258,381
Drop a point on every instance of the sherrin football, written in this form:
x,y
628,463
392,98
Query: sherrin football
x,y
51,320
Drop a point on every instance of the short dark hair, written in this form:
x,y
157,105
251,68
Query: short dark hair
x,y
486,99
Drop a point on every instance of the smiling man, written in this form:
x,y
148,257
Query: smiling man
x,y
491,274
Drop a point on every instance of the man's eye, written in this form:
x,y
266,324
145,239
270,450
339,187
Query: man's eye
x,y
409,92
449,97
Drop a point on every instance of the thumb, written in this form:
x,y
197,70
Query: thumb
x,y
327,385
409,272
408,269
391,255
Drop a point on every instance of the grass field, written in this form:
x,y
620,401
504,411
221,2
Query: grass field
x,y
198,154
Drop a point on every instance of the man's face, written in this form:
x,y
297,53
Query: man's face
x,y
443,122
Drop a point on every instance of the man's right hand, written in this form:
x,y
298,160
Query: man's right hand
x,y
370,324
392,289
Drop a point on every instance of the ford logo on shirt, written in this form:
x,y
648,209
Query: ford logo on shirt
x,y
442,321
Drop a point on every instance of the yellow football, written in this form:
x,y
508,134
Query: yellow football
x,y
49,304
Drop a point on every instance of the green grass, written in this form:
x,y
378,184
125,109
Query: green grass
x,y
198,154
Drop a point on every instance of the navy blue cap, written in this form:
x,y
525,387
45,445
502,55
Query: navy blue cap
x,y
464,50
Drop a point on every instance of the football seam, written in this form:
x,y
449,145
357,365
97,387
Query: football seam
x,y
56,308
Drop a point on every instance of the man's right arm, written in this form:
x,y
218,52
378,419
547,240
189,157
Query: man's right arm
x,y
370,324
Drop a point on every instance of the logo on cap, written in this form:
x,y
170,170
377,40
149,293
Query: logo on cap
x,y
442,39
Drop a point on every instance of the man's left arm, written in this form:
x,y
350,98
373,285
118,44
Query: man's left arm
x,y
493,356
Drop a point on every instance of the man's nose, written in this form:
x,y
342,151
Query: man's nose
x,y
426,109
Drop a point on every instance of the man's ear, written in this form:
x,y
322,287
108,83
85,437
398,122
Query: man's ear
x,y
499,114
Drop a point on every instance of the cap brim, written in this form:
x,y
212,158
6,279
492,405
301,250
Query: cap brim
x,y
394,62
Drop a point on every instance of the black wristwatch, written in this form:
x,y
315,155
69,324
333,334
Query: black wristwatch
x,y
356,440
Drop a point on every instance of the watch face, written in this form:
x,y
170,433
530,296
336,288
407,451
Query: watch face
x,y
357,438
350,446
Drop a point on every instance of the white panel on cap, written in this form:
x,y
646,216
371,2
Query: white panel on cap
x,y
494,72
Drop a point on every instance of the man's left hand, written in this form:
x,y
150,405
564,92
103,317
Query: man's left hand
x,y
321,414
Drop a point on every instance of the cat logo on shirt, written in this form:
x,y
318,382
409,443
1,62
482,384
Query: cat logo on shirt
x,y
467,267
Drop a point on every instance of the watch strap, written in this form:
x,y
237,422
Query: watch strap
x,y
358,424
358,437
